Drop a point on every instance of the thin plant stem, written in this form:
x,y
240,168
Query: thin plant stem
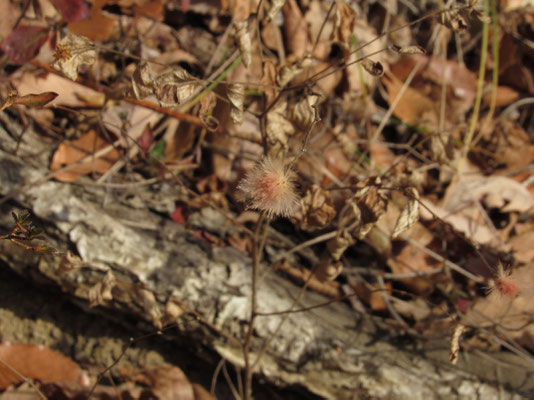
x,y
257,250
478,98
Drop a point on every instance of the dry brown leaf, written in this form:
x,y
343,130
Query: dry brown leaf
x,y
9,13
337,246
288,72
71,53
175,87
413,106
244,43
296,29
494,191
522,247
302,112
236,96
268,79
142,81
372,295
344,24
371,204
278,129
408,49
505,96
438,71
317,209
453,19
276,6
101,292
328,269
98,27
409,258
207,105
36,362
73,152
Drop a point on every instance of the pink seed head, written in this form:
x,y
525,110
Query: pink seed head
x,y
505,283
270,187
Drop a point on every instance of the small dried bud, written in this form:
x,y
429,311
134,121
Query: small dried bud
x,y
270,187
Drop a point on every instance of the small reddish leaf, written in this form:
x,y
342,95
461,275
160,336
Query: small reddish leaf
x,y
463,305
146,139
72,10
181,214
35,100
23,43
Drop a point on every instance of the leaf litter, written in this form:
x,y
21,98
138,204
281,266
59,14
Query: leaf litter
x,y
354,138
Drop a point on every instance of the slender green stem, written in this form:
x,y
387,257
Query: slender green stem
x,y
480,87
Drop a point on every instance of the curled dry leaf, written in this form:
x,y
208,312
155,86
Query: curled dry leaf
x,y
408,49
242,35
278,129
276,6
375,68
71,53
142,81
207,104
302,113
150,306
101,291
337,246
453,20
236,96
175,87
364,209
288,72
328,269
459,330
344,23
409,215
317,209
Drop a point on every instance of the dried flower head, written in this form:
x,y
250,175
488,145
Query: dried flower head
x,y
504,283
71,53
270,187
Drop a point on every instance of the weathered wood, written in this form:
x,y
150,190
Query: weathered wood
x,y
135,262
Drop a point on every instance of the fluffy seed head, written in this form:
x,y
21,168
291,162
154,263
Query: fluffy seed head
x,y
270,187
505,283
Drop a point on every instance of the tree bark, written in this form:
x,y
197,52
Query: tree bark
x,y
130,261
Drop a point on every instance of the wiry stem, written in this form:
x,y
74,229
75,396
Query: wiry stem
x,y
257,250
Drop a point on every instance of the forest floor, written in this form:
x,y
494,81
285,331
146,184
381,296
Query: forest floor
x,y
392,142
